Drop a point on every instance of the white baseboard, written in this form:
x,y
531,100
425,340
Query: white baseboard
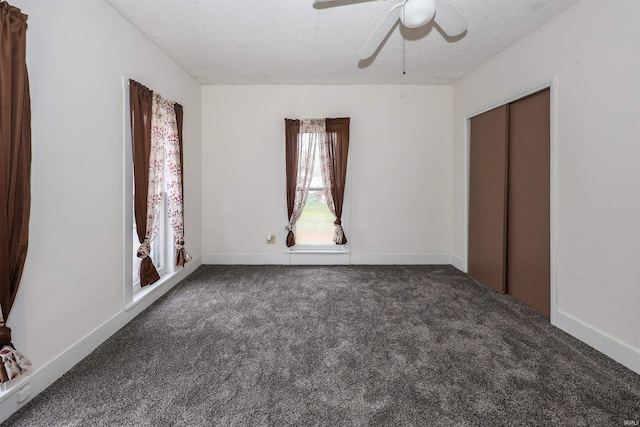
x,y
278,259
604,343
246,259
400,259
42,377
327,259
459,263
319,259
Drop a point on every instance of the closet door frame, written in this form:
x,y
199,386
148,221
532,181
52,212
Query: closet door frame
x,y
551,84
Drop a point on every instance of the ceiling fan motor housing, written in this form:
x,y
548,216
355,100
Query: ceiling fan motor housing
x,y
416,13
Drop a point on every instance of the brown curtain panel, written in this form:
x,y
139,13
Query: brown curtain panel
x,y
338,151
15,157
179,121
15,176
140,103
292,129
181,254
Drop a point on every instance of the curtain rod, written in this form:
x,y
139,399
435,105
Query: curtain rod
x,y
127,83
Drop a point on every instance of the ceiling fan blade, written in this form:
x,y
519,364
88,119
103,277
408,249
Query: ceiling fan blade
x,y
339,2
448,19
381,32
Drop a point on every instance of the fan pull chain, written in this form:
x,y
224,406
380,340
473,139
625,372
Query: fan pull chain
x,y
404,56
404,47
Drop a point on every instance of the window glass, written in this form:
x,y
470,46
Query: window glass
x,y
315,226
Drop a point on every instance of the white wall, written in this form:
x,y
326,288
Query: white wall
x,y
399,164
592,50
407,150
78,51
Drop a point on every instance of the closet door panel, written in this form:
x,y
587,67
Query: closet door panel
x,y
488,197
528,230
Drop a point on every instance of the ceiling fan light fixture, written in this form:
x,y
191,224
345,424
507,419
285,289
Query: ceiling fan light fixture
x,y
417,13
413,14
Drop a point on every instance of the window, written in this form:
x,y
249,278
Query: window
x,y
315,226
161,253
153,165
316,152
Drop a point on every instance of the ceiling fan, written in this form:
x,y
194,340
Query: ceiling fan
x,y
414,14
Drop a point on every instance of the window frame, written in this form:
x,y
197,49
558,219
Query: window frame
x,y
330,248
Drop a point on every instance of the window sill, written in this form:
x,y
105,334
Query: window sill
x,y
140,295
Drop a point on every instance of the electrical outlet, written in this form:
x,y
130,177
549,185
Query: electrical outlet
x,y
271,240
24,393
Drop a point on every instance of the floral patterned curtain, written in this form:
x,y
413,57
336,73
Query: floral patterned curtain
x,y
165,139
300,157
14,363
160,131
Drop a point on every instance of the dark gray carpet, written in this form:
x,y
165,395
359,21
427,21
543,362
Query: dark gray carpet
x,y
340,345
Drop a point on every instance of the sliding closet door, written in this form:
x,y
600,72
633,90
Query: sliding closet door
x,y
528,229
488,197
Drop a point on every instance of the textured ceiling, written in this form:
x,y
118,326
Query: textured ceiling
x,y
299,42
